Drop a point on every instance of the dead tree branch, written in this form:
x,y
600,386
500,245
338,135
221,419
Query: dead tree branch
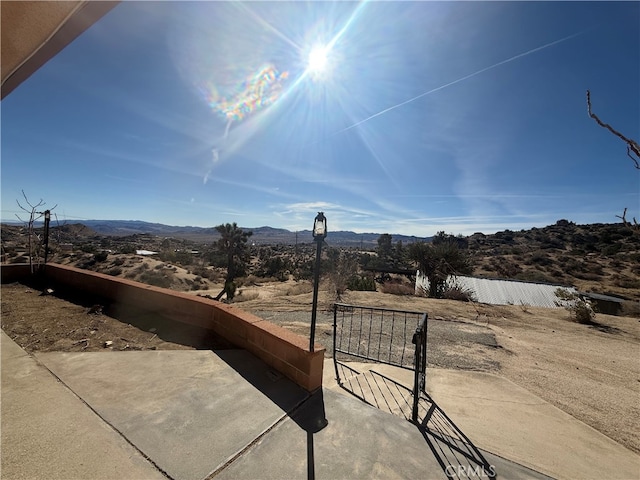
x,y
633,148
34,214
635,225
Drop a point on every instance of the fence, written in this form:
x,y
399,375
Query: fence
x,y
393,337
399,338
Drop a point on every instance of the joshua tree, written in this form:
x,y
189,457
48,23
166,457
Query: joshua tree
x,y
438,261
388,254
385,248
233,244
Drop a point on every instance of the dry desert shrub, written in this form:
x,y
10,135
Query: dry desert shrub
x,y
456,292
579,309
254,280
245,296
397,289
115,271
157,279
299,289
206,272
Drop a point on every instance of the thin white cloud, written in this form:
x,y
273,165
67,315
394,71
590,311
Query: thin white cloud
x,y
466,77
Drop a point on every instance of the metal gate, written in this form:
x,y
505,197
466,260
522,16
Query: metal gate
x,y
399,338
393,337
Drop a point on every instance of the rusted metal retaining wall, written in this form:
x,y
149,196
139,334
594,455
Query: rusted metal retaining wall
x,y
281,349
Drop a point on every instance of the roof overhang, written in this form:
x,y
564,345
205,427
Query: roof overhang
x,y
35,31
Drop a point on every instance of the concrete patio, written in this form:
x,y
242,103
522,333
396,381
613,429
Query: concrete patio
x,y
202,414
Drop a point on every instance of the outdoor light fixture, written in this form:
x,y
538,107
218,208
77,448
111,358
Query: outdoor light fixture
x,y
319,234
320,227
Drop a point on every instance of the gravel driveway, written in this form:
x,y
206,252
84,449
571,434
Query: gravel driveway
x,y
450,344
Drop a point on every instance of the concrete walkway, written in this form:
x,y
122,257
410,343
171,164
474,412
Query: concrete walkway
x,y
509,421
50,433
202,414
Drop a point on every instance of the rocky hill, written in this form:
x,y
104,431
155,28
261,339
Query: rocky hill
x,y
599,258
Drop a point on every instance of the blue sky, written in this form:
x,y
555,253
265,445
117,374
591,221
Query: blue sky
x,y
428,116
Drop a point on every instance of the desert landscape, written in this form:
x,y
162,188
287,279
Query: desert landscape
x,y
455,115
591,371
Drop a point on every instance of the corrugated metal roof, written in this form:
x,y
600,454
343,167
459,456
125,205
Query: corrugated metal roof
x,y
145,252
598,296
504,292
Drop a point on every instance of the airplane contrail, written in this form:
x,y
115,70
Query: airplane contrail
x,y
466,77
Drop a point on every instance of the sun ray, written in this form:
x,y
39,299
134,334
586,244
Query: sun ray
x,y
266,24
268,89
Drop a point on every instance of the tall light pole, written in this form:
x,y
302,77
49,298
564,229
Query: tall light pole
x,y
319,234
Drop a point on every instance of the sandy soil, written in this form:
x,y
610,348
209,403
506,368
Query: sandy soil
x,y
590,371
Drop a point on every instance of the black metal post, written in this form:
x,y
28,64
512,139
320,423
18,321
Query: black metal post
x,y
316,280
417,340
335,331
47,219
423,367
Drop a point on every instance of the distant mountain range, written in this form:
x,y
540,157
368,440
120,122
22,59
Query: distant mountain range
x,y
600,258
261,235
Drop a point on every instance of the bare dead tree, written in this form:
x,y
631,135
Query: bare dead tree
x,y
34,239
633,152
633,148
635,225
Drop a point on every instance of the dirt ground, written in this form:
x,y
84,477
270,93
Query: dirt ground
x,y
47,323
591,372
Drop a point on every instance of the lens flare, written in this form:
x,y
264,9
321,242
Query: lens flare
x,y
258,91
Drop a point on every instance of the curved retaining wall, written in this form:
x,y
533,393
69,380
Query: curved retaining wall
x,y
283,350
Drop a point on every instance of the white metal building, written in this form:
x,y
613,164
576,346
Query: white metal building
x,y
503,292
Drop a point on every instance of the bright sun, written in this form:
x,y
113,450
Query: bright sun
x,y
317,61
